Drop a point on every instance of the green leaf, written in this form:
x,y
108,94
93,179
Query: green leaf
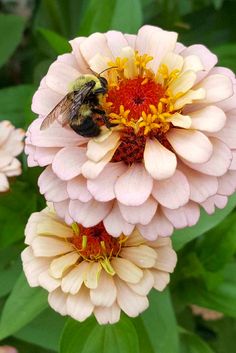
x,y
226,54
160,323
122,19
11,29
90,337
15,104
224,236
10,268
44,331
21,307
206,222
97,17
59,44
12,217
191,343
221,298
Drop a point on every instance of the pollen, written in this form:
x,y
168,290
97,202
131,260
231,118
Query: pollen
x,y
94,243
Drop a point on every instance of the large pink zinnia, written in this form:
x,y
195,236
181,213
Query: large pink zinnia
x,y
171,151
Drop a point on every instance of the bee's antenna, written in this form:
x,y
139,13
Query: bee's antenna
x,y
96,74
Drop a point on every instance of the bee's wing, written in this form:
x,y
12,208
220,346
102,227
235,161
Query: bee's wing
x,y
61,112
80,95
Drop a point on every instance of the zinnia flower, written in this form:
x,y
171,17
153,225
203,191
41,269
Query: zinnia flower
x,y
8,349
206,314
88,271
11,145
172,149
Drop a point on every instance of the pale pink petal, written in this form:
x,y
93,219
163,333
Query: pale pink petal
x,y
233,162
208,59
81,63
47,282
14,144
13,169
155,42
185,216
68,163
115,223
159,226
44,156
79,306
219,201
48,246
223,71
142,214
8,349
77,189
159,161
210,118
166,259
126,270
191,145
97,150
211,85
105,293
142,256
183,83
91,170
57,300
61,264
227,183
131,39
54,136
51,186
131,303
106,315
102,188
219,162
161,279
145,285
230,103
95,44
179,47
5,159
134,179
44,100
5,129
201,185
60,77
61,209
228,133
116,41
172,192
73,280
89,213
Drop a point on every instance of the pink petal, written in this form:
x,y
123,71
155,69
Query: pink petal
x,y
14,144
89,213
210,118
102,188
62,210
134,179
201,185
230,103
172,192
44,100
91,170
219,162
51,187
107,315
192,145
75,43
57,300
54,136
115,223
97,150
228,133
159,226
227,183
116,41
217,87
60,76
233,163
223,71
185,216
155,42
159,161
207,58
5,129
79,306
77,189
68,163
95,44
4,184
131,40
218,200
44,156
68,59
142,214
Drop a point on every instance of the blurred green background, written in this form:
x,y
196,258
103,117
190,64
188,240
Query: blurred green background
x,y
32,34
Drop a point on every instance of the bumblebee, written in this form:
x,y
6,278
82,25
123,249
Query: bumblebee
x,y
81,108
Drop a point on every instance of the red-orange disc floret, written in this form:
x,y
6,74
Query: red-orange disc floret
x,y
94,242
135,95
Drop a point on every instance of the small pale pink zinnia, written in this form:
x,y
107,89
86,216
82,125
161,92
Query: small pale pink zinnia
x,y
172,149
11,145
206,314
8,349
85,270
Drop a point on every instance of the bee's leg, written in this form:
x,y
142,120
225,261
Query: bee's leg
x,y
98,111
107,122
101,90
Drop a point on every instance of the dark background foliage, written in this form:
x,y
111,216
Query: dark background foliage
x,y
32,34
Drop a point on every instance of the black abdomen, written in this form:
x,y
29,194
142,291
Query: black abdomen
x,y
88,128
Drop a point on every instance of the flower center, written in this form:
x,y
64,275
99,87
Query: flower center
x,y
94,243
